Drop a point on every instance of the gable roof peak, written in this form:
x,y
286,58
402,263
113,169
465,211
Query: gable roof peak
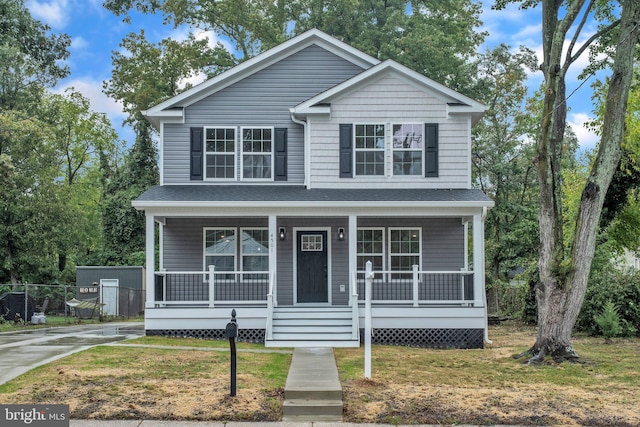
x,y
257,63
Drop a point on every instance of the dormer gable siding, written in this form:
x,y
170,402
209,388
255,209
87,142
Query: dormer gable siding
x,y
385,102
262,99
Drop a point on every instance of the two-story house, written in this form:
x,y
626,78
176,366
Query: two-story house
x,y
282,177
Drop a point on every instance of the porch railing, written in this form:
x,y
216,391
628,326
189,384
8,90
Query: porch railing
x,y
207,288
419,287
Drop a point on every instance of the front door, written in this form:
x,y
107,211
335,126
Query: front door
x,y
312,267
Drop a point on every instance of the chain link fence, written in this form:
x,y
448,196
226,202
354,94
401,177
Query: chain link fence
x,y
31,303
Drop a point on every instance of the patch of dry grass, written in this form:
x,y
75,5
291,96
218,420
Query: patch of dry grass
x,y
146,383
425,386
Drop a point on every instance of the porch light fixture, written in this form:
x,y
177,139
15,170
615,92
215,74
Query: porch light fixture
x,y
281,233
341,234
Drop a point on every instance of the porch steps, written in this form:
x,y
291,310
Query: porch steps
x,y
312,327
312,391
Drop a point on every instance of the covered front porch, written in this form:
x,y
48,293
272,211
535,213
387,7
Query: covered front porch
x,y
295,271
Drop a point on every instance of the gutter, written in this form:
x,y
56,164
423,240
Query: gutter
x,y
307,145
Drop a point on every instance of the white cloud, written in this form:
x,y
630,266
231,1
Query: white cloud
x,y
55,12
587,139
79,43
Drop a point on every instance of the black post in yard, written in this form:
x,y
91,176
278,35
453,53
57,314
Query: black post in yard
x,y
232,333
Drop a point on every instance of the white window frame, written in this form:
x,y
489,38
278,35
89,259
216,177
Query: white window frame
x,y
381,255
204,246
270,153
357,150
221,153
401,150
391,254
243,254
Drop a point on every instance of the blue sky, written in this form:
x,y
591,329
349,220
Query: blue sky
x,y
95,33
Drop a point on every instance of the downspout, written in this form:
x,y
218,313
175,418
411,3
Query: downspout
x,y
307,146
484,295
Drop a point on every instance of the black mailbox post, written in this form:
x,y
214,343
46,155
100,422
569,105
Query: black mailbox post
x,y
232,333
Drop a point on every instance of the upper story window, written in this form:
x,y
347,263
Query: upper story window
x,y
392,149
408,149
369,146
257,153
220,153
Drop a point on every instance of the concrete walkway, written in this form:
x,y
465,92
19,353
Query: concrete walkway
x,y
313,391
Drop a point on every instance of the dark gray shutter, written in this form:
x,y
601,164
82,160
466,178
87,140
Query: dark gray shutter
x,y
280,153
346,151
431,150
197,152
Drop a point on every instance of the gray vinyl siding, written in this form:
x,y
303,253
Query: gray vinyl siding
x,y
391,100
183,239
442,239
261,99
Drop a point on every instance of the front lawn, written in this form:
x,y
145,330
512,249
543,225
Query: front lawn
x,y
409,385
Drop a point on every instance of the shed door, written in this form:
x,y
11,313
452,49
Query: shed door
x,y
109,296
312,283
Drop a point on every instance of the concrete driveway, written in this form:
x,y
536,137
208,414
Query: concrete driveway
x,y
21,351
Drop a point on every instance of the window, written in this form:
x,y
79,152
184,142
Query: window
x,y
257,157
255,249
407,149
220,249
404,249
370,247
369,148
312,243
220,146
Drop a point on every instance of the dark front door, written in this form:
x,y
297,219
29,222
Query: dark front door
x,y
312,267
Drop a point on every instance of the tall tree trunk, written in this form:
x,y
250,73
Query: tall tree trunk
x,y
563,281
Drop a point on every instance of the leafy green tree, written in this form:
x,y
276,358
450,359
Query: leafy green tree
x,y
29,199
31,58
83,139
434,37
502,162
564,263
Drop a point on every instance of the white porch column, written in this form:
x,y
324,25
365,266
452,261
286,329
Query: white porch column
x,y
353,246
150,264
273,244
478,259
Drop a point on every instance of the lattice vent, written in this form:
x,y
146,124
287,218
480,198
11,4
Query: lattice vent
x,y
245,335
431,338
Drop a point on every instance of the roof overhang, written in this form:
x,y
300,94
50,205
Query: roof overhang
x,y
245,200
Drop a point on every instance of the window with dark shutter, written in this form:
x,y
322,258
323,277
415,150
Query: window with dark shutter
x,y
431,150
280,154
346,151
196,154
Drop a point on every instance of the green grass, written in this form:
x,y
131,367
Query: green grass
x,y
57,321
192,342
